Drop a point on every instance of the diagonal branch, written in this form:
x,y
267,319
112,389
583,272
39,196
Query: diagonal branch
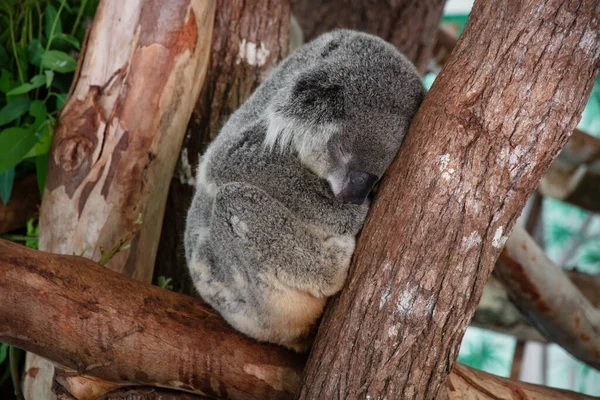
x,y
548,298
85,317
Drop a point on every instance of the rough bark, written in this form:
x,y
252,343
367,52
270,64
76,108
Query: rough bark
x,y
470,384
542,291
498,113
98,322
22,206
408,24
118,137
575,175
249,39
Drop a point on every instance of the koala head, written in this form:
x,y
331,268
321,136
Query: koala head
x,y
346,114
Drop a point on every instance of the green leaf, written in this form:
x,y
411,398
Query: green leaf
x,y
58,61
41,170
34,52
44,132
14,145
18,106
6,82
7,179
50,15
36,82
49,76
3,352
72,40
60,100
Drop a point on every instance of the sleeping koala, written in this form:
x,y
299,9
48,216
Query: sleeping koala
x,y
283,190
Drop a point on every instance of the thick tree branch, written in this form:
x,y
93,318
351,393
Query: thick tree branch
x,y
468,384
498,113
94,321
542,291
100,323
22,206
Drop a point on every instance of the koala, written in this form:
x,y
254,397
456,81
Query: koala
x,y
283,191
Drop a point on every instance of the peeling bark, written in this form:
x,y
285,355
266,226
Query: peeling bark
x,y
95,321
118,137
22,206
241,29
408,24
498,113
575,175
542,291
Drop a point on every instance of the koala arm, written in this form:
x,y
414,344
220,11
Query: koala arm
x,y
281,249
242,157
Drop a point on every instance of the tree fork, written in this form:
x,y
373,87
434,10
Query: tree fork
x,y
90,319
498,113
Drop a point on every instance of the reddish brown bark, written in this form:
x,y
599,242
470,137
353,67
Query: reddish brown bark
x,y
22,206
100,323
408,24
240,28
95,321
498,113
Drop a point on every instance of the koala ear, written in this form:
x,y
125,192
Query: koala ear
x,y
314,93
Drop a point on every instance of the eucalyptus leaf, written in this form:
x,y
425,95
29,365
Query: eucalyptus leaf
x,y
58,61
49,77
50,15
7,179
60,100
34,52
15,143
72,40
6,81
17,106
35,82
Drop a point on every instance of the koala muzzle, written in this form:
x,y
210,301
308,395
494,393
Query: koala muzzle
x,y
357,187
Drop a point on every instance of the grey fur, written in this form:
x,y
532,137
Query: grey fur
x,y
266,239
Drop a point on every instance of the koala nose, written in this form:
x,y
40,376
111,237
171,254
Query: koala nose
x,y
357,187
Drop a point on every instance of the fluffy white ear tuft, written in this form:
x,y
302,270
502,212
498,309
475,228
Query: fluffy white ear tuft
x,y
291,134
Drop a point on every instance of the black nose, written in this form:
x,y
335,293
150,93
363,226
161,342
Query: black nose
x,y
357,187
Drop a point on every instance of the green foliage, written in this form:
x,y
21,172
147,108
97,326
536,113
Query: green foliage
x,y
38,56
165,283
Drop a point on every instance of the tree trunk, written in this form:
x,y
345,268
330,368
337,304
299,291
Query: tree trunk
x,y
498,113
249,39
409,24
95,321
119,135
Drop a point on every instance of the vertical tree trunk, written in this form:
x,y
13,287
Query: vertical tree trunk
x,y
118,138
411,25
499,112
249,39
